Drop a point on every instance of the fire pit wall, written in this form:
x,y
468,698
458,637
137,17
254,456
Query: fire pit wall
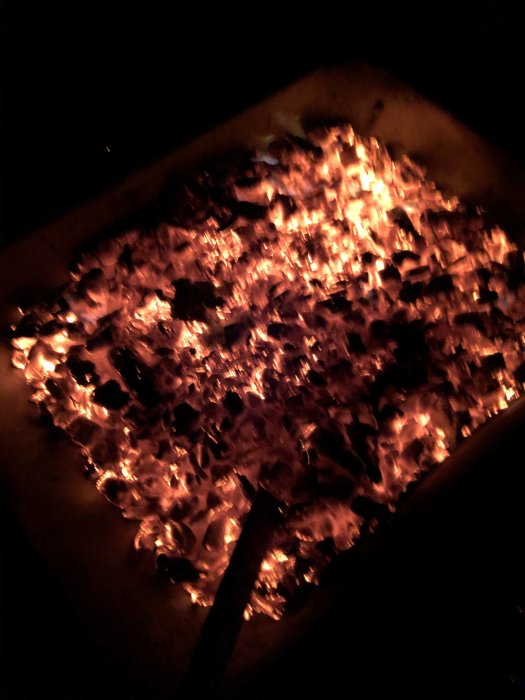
x,y
54,503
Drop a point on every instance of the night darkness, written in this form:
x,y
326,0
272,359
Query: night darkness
x,y
92,91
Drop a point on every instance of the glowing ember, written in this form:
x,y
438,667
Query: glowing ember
x,y
318,319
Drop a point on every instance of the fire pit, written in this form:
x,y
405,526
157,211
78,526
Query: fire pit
x,y
317,320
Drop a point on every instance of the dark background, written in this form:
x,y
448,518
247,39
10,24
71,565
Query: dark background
x,y
92,90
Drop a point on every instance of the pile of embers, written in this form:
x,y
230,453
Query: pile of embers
x,y
315,318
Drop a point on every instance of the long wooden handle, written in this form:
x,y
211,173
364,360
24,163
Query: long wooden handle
x,y
223,623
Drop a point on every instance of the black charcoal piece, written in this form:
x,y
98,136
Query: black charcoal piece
x,y
411,292
471,318
288,204
278,330
337,303
234,333
250,210
519,373
83,371
399,217
379,330
515,268
487,296
390,273
54,389
138,377
441,284
355,343
184,418
110,395
192,299
316,378
101,339
400,256
177,569
368,258
233,403
331,444
493,362
83,430
115,490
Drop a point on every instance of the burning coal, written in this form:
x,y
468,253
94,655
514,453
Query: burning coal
x,y
316,318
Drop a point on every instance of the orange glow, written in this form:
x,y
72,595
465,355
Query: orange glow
x,y
360,323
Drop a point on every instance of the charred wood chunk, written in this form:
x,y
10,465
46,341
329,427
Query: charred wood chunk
x,y
401,255
138,377
233,403
390,272
359,434
183,537
411,292
248,488
355,344
519,373
50,328
463,419
125,259
192,299
235,332
177,569
337,303
440,284
91,281
305,145
249,210
115,490
214,535
487,296
471,318
83,430
348,155
316,378
418,271
493,362
276,474
369,509
388,412
247,182
515,268
484,275
367,258
331,444
414,450
110,395
185,418
181,508
83,371
25,328
278,330
226,424
399,217
379,330
288,204
54,389
101,339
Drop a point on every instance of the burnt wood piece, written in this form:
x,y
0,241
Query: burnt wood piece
x,y
138,377
223,623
